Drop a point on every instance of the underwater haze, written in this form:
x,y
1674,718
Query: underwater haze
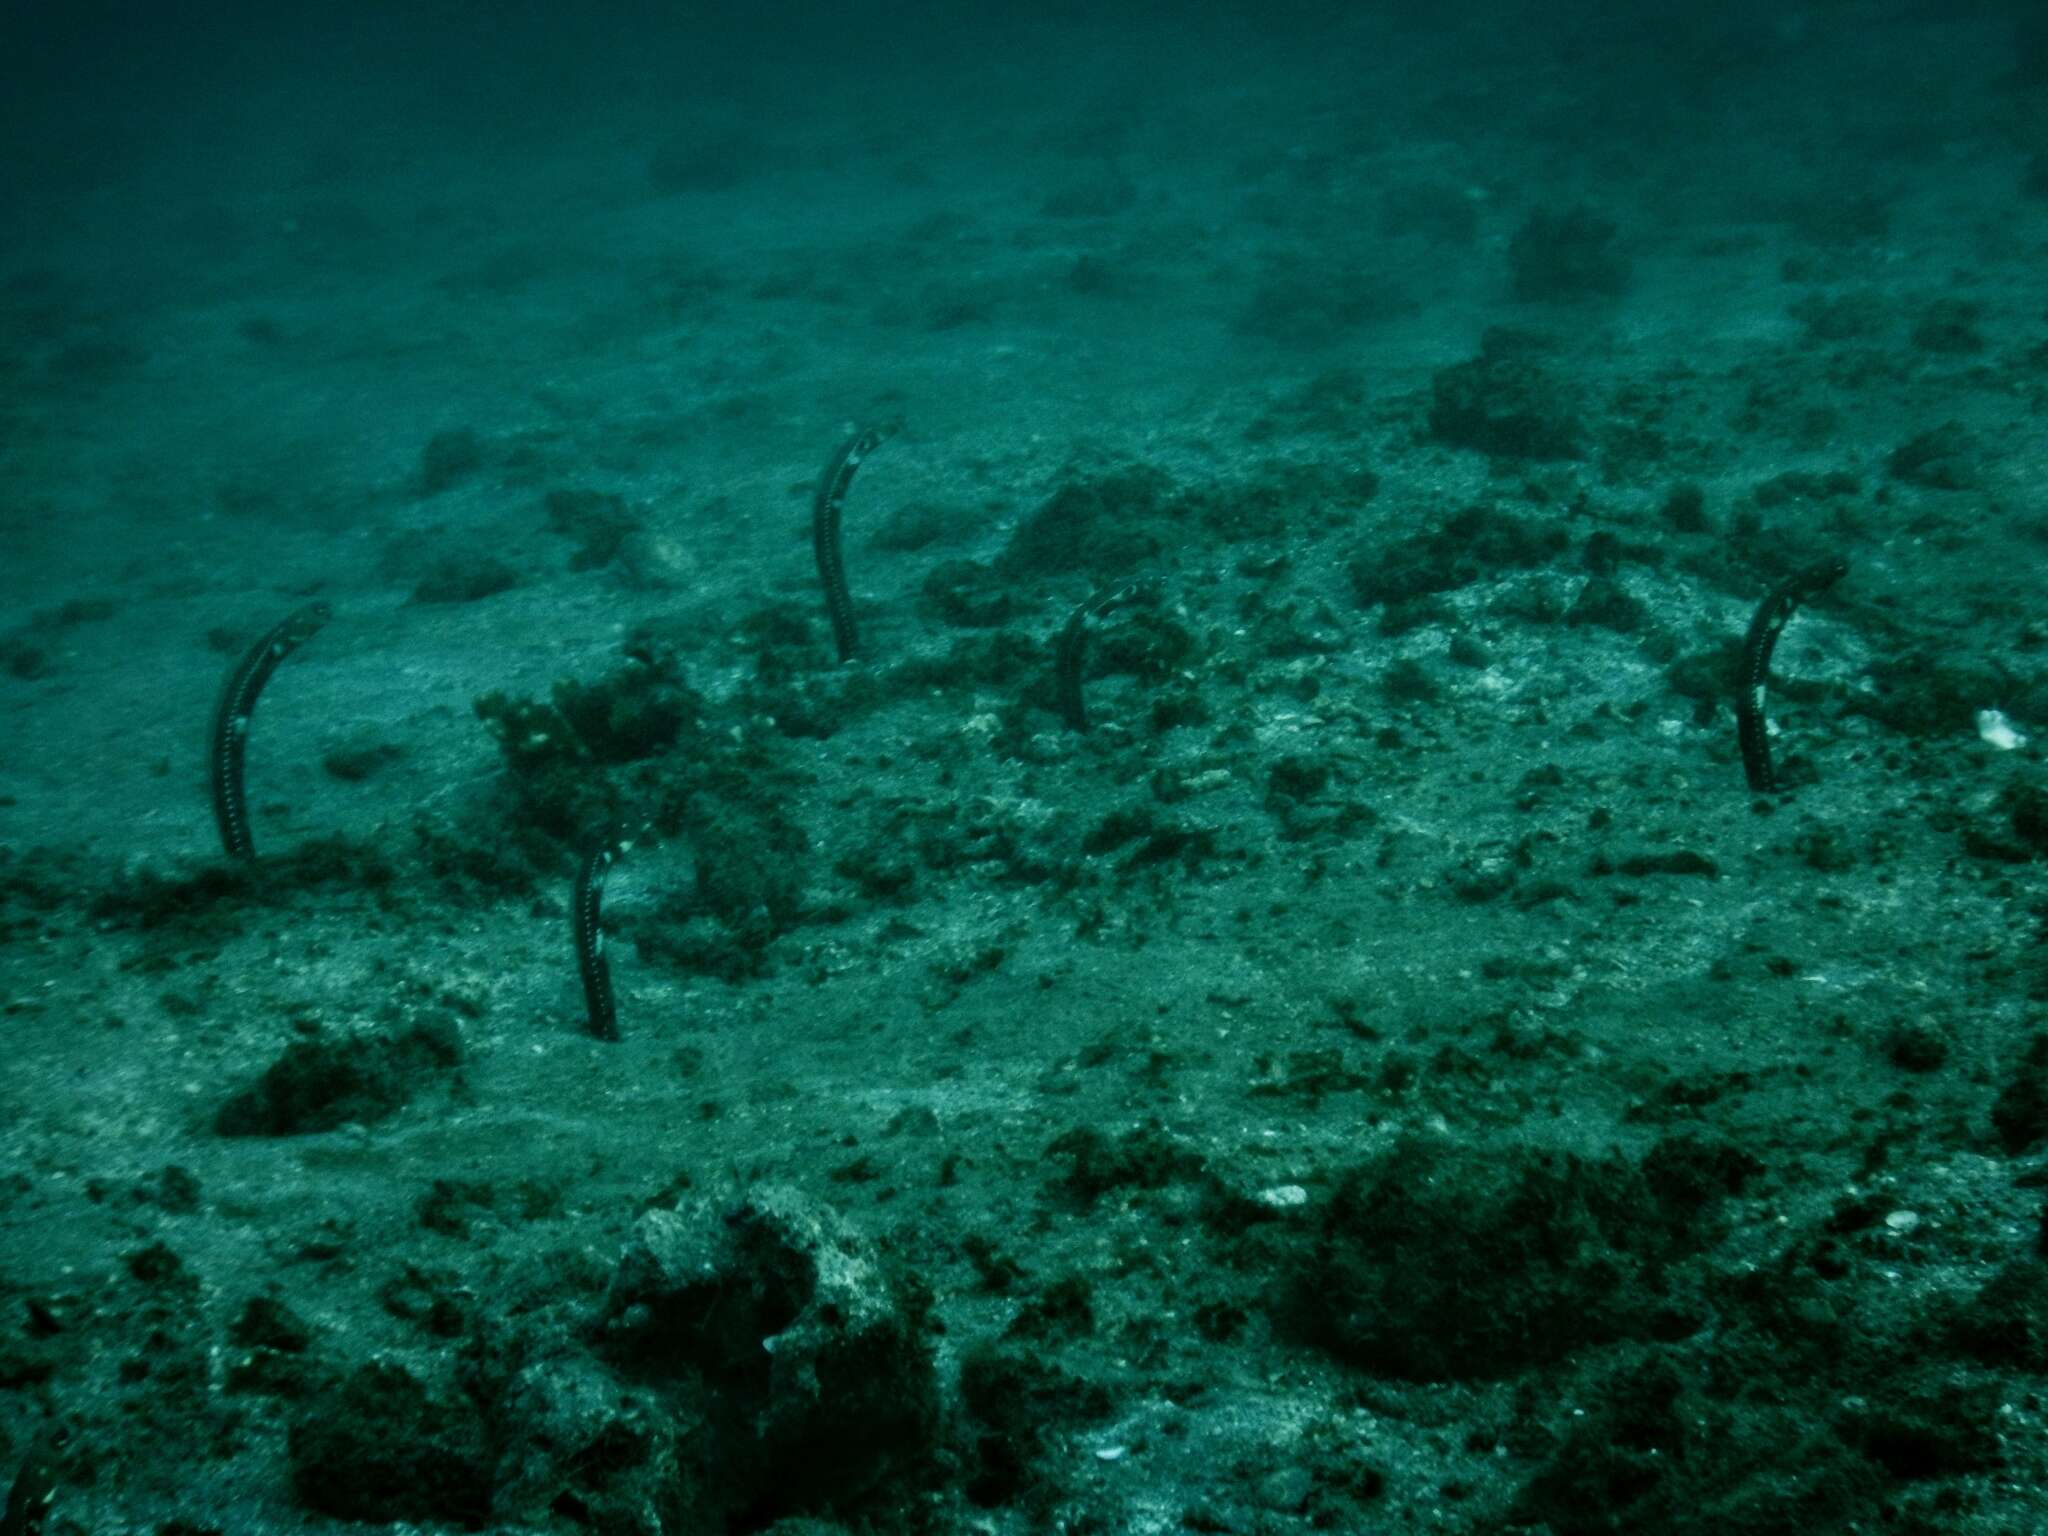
x,y
903,769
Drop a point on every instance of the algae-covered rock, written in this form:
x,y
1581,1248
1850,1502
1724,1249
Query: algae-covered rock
x,y
1506,403
322,1083
1095,524
1943,458
635,711
1471,545
800,1350
599,522
380,1447
1439,1263
1563,255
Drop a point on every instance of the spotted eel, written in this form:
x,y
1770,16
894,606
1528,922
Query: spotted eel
x,y
826,506
230,735
1070,653
587,927
1772,615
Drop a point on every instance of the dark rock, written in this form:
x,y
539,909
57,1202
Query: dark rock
x,y
1470,546
967,595
573,1441
632,713
464,578
267,1323
1685,509
1508,406
1950,326
2005,1325
1298,777
798,1345
1442,1263
598,521
1944,458
319,1084
1680,861
1094,525
1142,1158
1915,1047
2019,1115
448,459
2027,806
1605,605
1802,488
914,525
1407,681
1564,256
1023,1401
358,758
380,1448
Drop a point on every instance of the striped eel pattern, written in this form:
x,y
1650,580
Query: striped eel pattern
x,y
587,929
826,506
229,740
1070,653
1772,615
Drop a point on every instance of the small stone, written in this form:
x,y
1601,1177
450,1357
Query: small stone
x,y
1283,1197
1997,730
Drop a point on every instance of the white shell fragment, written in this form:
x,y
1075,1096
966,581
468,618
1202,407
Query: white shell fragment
x,y
1997,730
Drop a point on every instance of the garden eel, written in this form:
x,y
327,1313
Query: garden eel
x,y
35,1490
1071,653
586,923
825,509
230,736
1772,615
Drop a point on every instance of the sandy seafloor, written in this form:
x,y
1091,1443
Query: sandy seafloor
x,y
1389,1074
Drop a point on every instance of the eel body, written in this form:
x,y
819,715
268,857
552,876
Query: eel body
x,y
1772,615
826,506
587,926
1070,653
229,741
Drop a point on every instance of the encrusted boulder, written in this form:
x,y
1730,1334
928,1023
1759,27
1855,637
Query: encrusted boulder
x,y
795,1346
